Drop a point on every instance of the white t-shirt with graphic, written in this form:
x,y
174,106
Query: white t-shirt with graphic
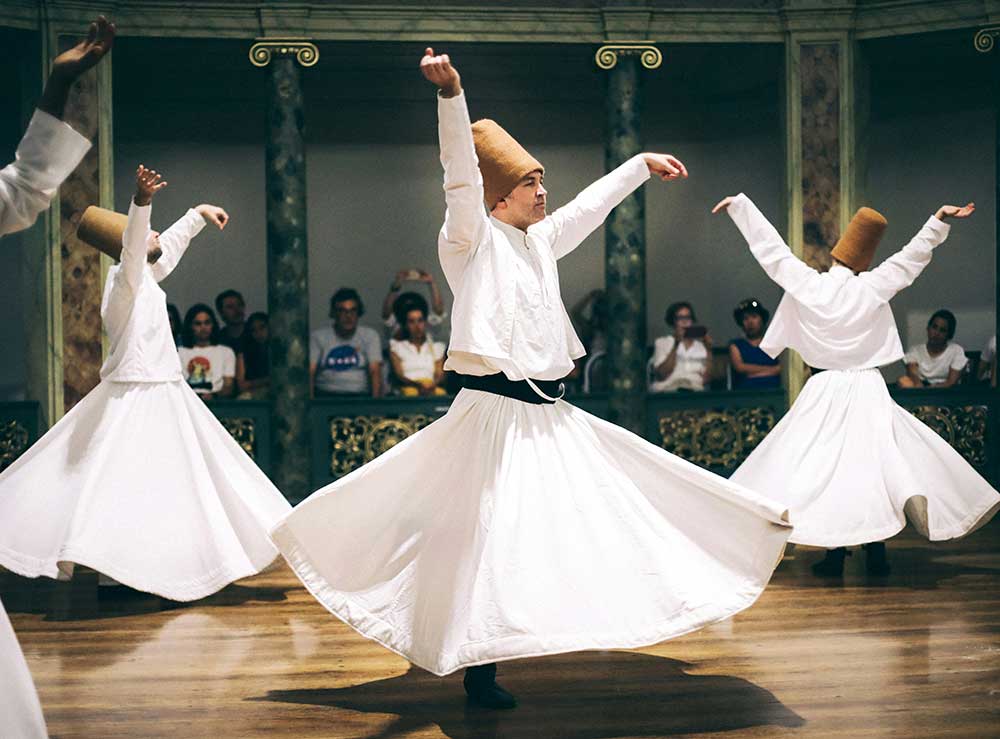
x,y
934,370
206,367
342,364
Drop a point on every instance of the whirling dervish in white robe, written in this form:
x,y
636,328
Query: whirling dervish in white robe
x,y
140,481
518,525
850,464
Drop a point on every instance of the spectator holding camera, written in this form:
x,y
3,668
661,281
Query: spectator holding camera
x,y
681,360
417,361
436,314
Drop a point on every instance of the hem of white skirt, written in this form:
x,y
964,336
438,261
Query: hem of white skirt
x,y
855,538
212,582
513,647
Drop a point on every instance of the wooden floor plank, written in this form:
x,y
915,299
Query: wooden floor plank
x,y
916,654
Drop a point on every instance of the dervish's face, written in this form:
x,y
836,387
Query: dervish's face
x,y
525,205
153,250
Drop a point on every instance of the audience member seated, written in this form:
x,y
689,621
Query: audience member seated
x,y
681,360
434,317
988,363
417,361
231,309
253,365
345,358
175,323
208,366
752,368
939,362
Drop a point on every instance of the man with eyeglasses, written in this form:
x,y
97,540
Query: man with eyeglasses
x,y
345,358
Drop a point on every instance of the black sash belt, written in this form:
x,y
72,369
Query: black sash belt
x,y
499,384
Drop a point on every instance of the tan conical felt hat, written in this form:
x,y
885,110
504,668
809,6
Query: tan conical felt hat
x,y
502,161
103,229
856,246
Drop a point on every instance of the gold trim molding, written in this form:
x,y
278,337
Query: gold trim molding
x,y
984,40
264,49
607,56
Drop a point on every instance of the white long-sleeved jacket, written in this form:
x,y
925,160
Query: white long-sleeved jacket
x,y
508,314
134,306
835,320
48,152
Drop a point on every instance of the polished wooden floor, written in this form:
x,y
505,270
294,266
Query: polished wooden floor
x,y
916,654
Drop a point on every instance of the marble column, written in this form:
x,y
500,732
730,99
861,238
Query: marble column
x,y
625,255
986,42
40,263
81,264
287,263
821,171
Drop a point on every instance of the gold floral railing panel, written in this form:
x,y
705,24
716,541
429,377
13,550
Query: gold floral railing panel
x,y
14,438
244,432
715,439
964,427
358,440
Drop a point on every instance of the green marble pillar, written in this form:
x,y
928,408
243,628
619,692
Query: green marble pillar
x,y
82,283
287,266
625,255
821,152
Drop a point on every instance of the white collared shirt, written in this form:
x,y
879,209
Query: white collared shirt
x,y
835,320
417,362
48,152
134,306
508,314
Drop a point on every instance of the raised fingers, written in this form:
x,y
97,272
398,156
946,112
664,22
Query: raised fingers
x,y
678,165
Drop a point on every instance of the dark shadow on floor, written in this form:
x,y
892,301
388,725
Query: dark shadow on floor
x,y
80,599
916,563
584,695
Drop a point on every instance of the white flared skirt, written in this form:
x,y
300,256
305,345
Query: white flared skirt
x,y
20,711
506,529
851,465
141,482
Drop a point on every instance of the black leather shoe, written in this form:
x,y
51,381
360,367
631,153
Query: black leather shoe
x,y
832,565
876,563
482,689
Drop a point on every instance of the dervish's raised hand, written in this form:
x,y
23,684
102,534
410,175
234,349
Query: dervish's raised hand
x,y
438,70
75,61
723,204
665,166
955,211
148,182
213,214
